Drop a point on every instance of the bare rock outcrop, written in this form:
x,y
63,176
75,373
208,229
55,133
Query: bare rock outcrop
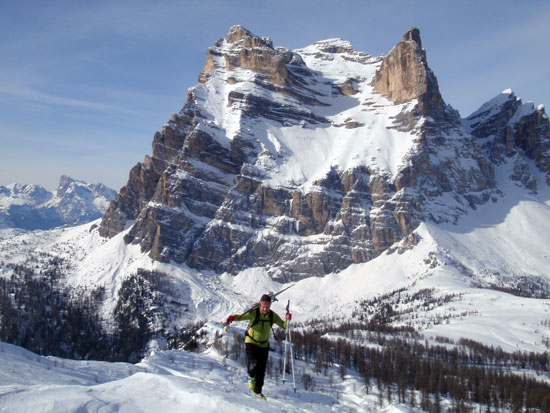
x,y
248,51
405,75
512,129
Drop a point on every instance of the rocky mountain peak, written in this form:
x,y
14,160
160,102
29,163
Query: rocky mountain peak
x,y
413,35
238,33
72,188
66,183
336,45
293,161
405,75
241,49
34,207
25,193
510,129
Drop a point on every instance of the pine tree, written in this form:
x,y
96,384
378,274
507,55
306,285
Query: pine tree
x,y
412,400
516,399
437,403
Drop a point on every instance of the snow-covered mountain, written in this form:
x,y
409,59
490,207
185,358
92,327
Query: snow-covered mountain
x,y
33,207
304,162
343,174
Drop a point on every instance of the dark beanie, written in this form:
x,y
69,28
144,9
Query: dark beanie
x,y
266,298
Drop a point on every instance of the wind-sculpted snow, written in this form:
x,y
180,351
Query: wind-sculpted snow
x,y
170,381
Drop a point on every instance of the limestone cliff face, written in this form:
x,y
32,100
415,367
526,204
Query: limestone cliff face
x,y
144,177
405,75
532,135
291,160
243,50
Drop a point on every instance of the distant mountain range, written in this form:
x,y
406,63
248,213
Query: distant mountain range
x,y
32,207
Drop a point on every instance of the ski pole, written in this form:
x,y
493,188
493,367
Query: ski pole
x,y
288,342
292,361
286,345
284,360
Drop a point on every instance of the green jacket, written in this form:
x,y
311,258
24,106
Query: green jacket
x,y
259,333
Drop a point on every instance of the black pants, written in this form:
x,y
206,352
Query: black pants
x,y
256,360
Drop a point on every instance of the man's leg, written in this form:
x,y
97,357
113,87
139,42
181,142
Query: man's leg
x,y
251,364
262,354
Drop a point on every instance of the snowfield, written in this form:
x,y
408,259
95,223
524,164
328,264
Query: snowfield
x,y
166,381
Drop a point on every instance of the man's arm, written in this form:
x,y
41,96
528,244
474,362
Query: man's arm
x,y
278,320
239,317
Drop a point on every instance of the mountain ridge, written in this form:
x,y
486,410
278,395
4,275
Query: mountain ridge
x,y
303,161
400,225
32,207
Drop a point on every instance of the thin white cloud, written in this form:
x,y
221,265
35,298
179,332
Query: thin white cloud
x,y
29,94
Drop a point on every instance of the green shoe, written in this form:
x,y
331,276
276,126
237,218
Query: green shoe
x,y
260,395
251,383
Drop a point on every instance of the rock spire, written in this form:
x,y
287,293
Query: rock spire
x,y
404,75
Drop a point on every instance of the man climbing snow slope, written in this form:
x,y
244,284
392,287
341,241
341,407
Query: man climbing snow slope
x,y
257,340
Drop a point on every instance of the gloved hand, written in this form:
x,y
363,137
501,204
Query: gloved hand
x,y
288,316
230,319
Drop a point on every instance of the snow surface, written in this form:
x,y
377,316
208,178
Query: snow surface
x,y
167,381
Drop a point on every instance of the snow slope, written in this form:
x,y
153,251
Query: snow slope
x,y
310,152
167,381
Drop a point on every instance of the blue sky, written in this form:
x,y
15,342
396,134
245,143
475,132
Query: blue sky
x,y
85,85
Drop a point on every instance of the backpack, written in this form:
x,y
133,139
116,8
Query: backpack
x,y
256,321
257,318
